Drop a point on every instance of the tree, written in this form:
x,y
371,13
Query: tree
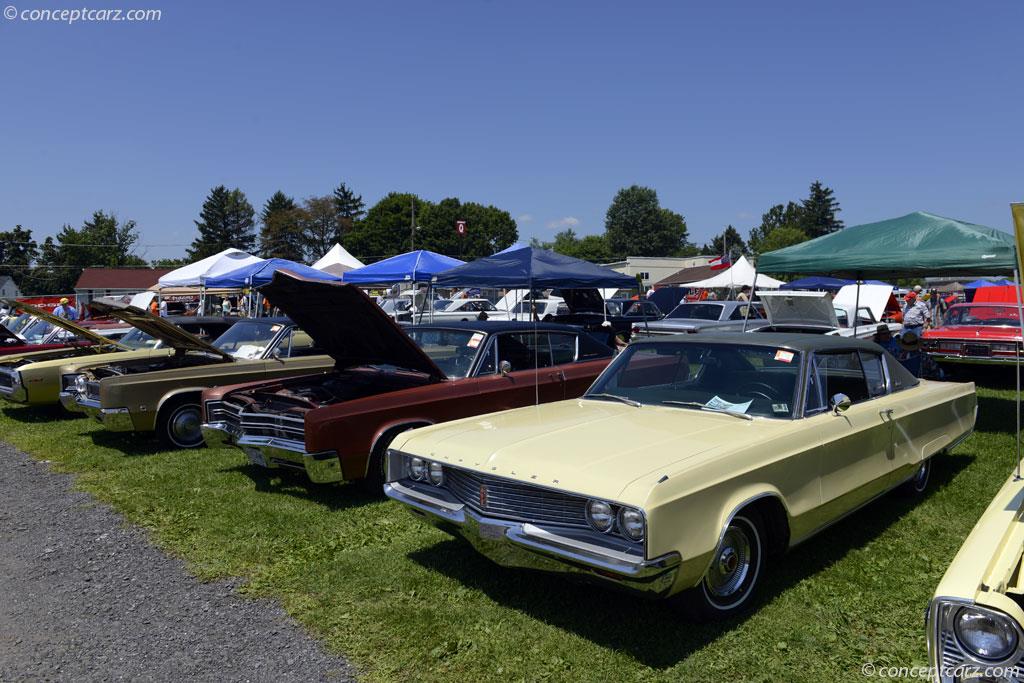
x,y
169,262
226,220
386,229
488,229
729,240
349,206
101,241
636,225
782,237
17,251
319,225
818,212
789,215
281,235
593,248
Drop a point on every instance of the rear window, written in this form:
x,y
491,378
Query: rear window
x,y
697,311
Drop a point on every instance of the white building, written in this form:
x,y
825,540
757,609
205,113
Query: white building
x,y
7,287
654,268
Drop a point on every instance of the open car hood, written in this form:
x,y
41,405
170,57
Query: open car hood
x,y
9,338
875,298
346,324
799,308
585,300
158,328
69,325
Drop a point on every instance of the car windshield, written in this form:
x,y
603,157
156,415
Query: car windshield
x,y
137,339
453,351
442,304
36,331
983,315
735,378
18,322
697,311
392,305
248,339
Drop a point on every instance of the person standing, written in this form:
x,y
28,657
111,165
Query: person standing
x,y
744,294
225,306
163,308
64,310
916,316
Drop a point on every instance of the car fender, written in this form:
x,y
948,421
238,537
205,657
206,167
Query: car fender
x,y
175,393
396,426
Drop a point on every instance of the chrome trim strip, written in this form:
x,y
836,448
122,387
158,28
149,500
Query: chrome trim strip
x,y
272,442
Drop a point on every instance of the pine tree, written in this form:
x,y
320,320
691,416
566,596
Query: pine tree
x,y
227,220
818,212
637,225
349,206
729,240
281,234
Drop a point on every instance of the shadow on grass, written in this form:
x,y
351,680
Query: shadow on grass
x,y
285,482
37,414
996,415
658,634
131,444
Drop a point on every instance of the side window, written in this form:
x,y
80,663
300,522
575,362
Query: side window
x,y
841,373
562,309
865,316
301,344
814,401
489,359
873,373
738,313
591,348
563,348
520,349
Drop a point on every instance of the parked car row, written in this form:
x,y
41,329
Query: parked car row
x,y
676,467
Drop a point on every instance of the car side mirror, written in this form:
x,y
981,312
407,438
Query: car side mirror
x,y
504,367
841,403
276,355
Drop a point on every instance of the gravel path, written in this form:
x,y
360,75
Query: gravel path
x,y
83,596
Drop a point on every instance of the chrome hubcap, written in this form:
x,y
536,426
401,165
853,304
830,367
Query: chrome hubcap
x,y
185,425
730,569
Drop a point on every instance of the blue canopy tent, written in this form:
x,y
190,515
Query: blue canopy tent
x,y
529,267
414,266
258,274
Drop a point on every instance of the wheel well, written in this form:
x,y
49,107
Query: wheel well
x,y
776,522
388,435
175,399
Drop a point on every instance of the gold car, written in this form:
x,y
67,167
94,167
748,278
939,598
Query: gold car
x,y
162,394
975,625
689,460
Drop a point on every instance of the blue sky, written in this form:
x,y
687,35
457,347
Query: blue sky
x,y
541,108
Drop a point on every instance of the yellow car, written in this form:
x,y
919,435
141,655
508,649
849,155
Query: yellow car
x,y
689,461
975,625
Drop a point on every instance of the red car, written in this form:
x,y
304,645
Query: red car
x,y
41,335
336,426
985,333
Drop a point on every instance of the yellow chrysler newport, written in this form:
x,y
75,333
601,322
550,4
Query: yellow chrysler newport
x,y
689,461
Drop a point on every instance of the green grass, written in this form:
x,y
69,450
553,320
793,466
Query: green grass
x,y
406,602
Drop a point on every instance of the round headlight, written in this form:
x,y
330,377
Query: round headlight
x,y
80,384
631,524
985,634
418,469
436,473
600,515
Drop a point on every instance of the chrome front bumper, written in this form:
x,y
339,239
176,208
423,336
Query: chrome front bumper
x,y
68,399
17,394
521,544
272,452
972,360
113,419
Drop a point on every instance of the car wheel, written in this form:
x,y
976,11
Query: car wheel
x,y
918,484
179,425
730,583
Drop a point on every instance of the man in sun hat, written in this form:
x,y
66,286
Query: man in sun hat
x,y
64,310
883,337
909,354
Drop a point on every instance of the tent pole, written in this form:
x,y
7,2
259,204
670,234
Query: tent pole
x,y
536,354
750,303
1020,317
856,306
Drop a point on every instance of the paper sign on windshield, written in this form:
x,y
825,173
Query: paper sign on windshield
x,y
719,403
475,340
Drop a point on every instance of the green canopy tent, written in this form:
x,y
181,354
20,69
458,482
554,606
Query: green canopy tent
x,y
916,244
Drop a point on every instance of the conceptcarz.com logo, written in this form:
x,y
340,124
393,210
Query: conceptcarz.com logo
x,y
73,16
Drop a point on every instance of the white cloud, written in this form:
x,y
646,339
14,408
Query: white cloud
x,y
525,218
567,222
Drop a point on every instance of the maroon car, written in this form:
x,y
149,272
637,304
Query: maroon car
x,y
336,426
42,335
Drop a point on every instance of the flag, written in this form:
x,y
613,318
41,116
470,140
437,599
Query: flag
x,y
720,263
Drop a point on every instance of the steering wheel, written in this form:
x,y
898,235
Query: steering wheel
x,y
755,389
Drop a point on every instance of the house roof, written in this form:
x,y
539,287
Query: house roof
x,y
120,278
4,279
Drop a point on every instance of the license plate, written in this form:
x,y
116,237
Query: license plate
x,y
976,350
492,532
256,457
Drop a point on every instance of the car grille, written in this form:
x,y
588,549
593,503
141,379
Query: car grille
x,y
512,500
977,350
225,411
953,657
276,426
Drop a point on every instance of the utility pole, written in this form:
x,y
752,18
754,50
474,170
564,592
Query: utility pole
x,y
412,227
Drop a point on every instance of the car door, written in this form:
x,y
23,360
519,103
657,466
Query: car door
x,y
531,377
854,446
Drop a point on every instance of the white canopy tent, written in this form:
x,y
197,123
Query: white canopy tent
x,y
338,261
741,273
196,274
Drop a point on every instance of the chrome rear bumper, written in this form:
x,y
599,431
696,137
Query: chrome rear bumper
x,y
521,544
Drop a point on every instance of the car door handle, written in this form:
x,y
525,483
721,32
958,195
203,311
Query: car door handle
x,y
888,412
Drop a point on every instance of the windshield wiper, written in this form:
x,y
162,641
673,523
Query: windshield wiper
x,y
616,397
701,406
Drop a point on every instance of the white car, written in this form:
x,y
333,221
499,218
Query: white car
x,y
544,307
816,312
467,309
